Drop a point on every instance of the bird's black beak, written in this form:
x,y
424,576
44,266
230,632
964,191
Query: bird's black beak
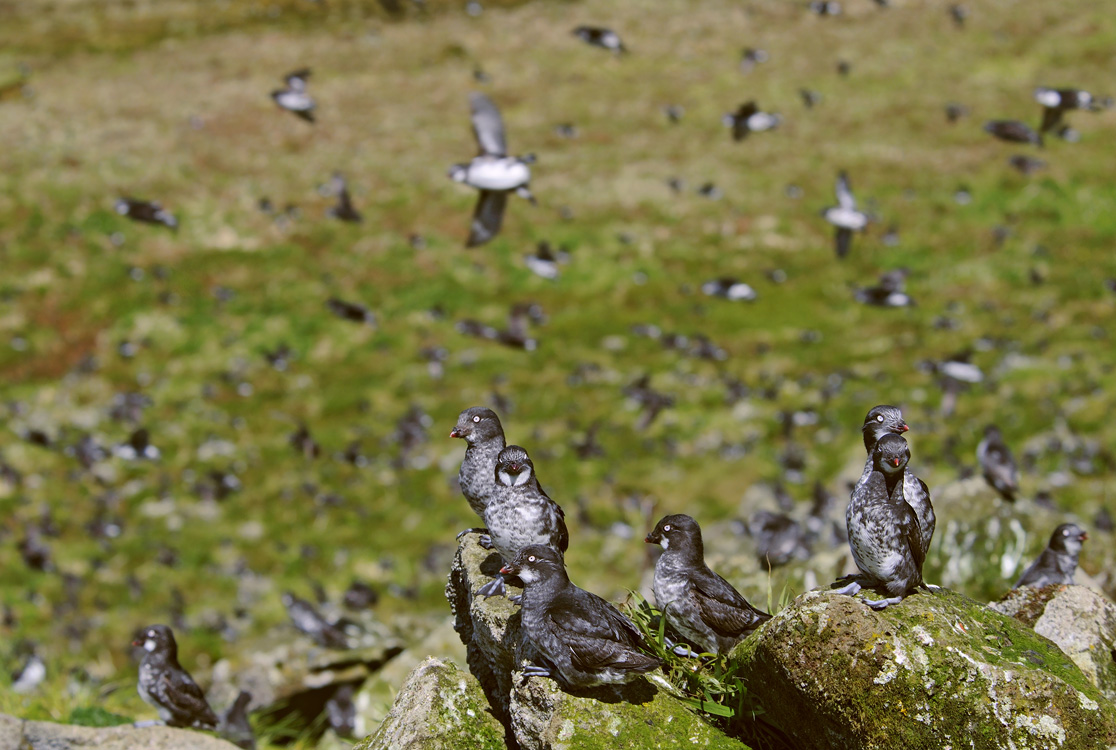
x,y
509,569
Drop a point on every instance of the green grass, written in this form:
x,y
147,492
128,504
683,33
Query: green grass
x,y
113,97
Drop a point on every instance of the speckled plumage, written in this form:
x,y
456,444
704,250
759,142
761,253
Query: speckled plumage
x,y
1058,561
582,639
698,604
164,684
519,512
484,436
888,420
884,535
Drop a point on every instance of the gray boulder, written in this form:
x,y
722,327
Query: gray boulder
x,y
16,734
1078,619
937,670
537,712
439,708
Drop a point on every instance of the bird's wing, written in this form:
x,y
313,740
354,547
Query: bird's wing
x,y
722,607
844,192
1051,117
603,639
178,691
487,217
911,533
488,125
844,241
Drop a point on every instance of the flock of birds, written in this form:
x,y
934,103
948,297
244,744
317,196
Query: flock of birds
x,y
581,639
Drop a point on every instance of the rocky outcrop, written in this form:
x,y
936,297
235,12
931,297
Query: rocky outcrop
x,y
43,735
1079,620
439,708
536,712
937,670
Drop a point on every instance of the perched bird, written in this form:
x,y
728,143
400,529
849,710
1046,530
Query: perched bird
x,y
697,603
303,442
483,434
749,119
778,537
997,464
1026,164
341,711
958,13
809,97
360,596
845,216
149,212
955,375
890,292
344,209
884,420
955,111
307,619
730,289
674,113
164,684
650,401
353,311
1058,561
1012,131
294,98
234,725
31,673
582,639
520,513
599,36
492,172
752,57
138,447
884,534
1056,102
825,8
545,261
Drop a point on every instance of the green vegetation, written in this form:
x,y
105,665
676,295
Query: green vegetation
x,y
169,101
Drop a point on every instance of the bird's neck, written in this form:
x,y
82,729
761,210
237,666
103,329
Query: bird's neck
x,y
892,480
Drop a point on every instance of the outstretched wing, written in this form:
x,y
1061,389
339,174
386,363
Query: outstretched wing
x,y
488,125
845,197
487,217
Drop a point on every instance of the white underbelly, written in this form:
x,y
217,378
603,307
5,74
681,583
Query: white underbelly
x,y
497,174
846,218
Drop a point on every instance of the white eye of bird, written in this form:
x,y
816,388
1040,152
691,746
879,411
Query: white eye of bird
x,y
667,527
879,417
150,633
531,558
477,419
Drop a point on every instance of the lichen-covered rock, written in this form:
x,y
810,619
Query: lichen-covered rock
x,y
1078,619
937,670
537,712
16,734
439,707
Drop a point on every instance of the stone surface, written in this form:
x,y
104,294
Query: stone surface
x,y
42,735
937,670
536,711
1081,621
439,707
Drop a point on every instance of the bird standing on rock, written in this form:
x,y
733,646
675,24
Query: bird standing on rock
x,y
888,420
483,434
520,513
306,618
164,684
294,97
883,529
697,603
1058,561
997,464
582,639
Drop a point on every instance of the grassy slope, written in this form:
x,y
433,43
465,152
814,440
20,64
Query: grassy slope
x,y
393,113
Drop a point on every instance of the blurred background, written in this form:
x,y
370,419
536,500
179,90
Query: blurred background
x,y
197,419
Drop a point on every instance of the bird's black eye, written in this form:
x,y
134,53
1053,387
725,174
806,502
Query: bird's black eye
x,y
879,417
476,419
667,527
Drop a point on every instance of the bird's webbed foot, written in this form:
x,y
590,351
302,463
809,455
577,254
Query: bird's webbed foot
x,y
878,604
148,723
534,670
850,589
495,587
484,533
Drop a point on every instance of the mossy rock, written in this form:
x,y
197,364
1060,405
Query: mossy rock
x,y
439,707
937,670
